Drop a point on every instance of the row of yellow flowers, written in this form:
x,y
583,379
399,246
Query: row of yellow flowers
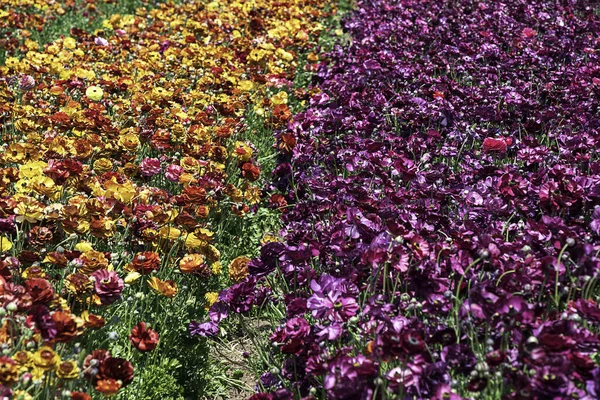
x,y
121,148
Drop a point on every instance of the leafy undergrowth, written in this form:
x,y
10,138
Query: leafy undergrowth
x,y
441,230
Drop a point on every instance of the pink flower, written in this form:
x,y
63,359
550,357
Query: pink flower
x,y
108,285
26,82
173,172
150,167
528,33
101,41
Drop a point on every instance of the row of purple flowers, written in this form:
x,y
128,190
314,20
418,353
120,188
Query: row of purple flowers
x,y
443,237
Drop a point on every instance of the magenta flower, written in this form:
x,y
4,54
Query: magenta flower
x,y
332,306
150,167
108,286
173,172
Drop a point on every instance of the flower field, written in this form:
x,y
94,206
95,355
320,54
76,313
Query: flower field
x,y
383,199
131,186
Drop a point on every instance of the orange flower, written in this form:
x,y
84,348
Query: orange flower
x,y
288,142
164,288
92,321
93,261
250,171
194,264
108,387
238,269
78,284
146,262
80,396
68,326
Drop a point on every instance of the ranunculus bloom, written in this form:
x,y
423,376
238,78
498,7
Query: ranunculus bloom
x,y
67,370
209,328
499,145
41,290
146,262
80,396
165,288
108,285
173,172
143,338
116,368
150,167
250,171
194,264
238,269
68,326
46,359
93,261
94,93
92,321
9,371
108,387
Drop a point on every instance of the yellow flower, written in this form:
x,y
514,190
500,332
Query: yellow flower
x,y
69,43
132,277
46,359
242,151
216,267
37,374
23,358
103,165
193,242
269,238
245,86
169,232
32,169
83,247
122,192
94,93
5,244
67,370
21,395
129,141
211,298
281,53
28,210
280,98
164,288
44,186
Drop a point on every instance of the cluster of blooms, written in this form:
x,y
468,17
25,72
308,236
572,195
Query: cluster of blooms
x,y
120,155
20,20
444,228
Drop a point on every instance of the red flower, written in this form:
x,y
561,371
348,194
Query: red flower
x,y
500,145
117,369
528,33
142,338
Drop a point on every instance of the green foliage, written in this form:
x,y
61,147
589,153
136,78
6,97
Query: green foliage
x,y
157,382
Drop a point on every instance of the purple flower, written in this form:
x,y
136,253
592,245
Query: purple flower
x,y
348,374
100,41
332,306
297,327
108,286
330,332
205,329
